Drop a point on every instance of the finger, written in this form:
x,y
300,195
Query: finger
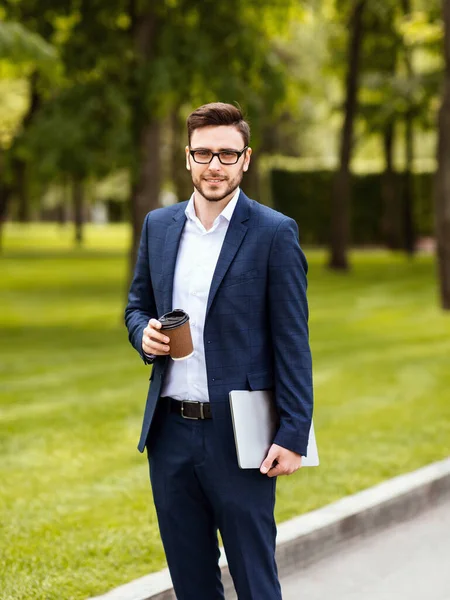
x,y
155,323
154,334
157,336
153,347
153,327
268,461
277,470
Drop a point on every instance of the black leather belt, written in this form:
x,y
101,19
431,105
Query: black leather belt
x,y
189,409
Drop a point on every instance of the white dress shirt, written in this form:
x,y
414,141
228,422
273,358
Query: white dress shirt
x,y
196,261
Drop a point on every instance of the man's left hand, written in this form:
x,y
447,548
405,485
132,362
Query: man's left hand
x,y
287,462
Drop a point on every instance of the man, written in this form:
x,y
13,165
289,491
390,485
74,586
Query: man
x,y
237,269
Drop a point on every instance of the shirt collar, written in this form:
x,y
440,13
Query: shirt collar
x,y
227,212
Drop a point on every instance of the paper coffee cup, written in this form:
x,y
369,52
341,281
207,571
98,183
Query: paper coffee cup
x,y
175,325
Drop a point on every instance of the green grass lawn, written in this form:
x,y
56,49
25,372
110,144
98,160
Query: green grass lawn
x,y
76,513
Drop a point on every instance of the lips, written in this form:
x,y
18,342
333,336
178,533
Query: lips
x,y
211,180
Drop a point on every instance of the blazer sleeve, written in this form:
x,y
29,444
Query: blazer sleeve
x,y
141,305
288,310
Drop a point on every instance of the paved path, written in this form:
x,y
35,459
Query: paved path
x,y
410,561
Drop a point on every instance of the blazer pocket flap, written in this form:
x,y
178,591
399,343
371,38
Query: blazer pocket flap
x,y
241,278
260,380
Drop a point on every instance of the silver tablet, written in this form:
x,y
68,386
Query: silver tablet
x,y
255,424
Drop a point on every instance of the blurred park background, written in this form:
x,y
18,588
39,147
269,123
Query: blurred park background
x,y
349,104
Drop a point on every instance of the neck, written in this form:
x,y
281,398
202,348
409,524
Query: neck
x,y
207,211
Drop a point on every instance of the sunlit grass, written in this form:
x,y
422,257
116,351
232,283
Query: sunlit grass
x,y
75,506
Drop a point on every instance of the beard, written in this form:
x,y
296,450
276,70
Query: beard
x,y
217,192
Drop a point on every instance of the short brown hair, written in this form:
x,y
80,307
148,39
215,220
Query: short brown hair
x,y
218,113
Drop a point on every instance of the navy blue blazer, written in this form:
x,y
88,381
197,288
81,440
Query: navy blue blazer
x,y
256,325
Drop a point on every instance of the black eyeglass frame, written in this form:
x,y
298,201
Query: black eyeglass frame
x,y
213,154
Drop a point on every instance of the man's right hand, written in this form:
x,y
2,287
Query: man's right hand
x,y
153,341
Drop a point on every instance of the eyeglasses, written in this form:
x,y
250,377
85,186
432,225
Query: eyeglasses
x,y
226,157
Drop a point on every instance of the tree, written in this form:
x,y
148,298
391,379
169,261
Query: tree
x,y
409,233
400,85
379,105
28,54
340,206
393,90
443,173
80,134
162,56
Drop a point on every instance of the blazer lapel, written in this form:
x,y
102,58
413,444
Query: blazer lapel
x,y
233,239
171,244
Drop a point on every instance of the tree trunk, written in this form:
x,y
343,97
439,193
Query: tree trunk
x,y
340,201
78,206
408,228
443,176
20,165
5,195
391,218
408,235
145,194
146,176
21,184
64,203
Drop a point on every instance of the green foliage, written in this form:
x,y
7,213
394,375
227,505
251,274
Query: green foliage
x,y
75,505
19,45
81,131
282,61
126,65
401,65
306,197
22,54
421,28
13,104
190,52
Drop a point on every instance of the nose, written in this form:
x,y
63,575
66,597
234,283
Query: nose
x,y
215,163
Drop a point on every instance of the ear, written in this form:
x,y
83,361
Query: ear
x,y
248,154
188,164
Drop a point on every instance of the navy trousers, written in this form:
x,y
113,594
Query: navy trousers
x,y
198,488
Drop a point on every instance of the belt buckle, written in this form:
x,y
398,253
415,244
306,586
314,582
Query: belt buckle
x,y
202,416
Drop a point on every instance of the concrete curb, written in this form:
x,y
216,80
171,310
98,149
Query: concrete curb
x,y
306,539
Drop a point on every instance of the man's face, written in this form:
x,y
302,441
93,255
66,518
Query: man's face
x,y
215,181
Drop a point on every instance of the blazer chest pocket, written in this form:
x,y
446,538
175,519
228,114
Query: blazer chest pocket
x,y
260,380
241,278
